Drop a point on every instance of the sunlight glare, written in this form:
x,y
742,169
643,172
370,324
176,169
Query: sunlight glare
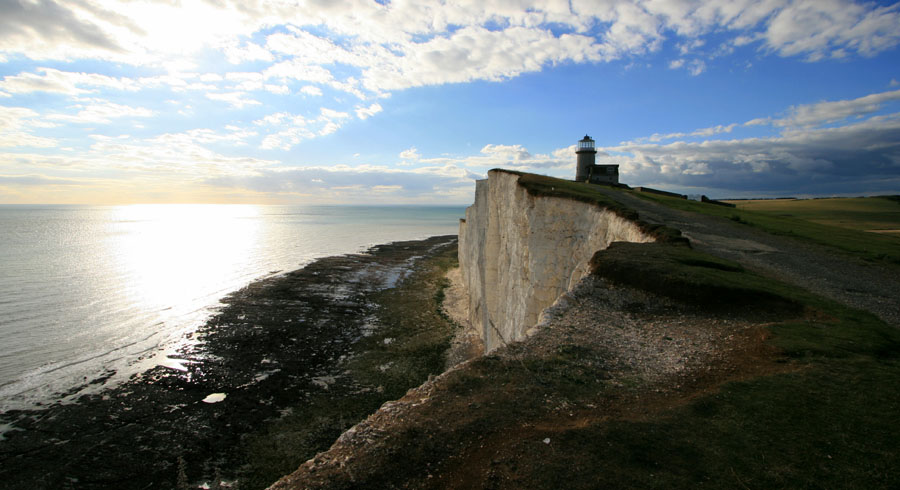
x,y
175,254
182,27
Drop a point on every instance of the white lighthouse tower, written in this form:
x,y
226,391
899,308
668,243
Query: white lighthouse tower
x,y
586,157
587,171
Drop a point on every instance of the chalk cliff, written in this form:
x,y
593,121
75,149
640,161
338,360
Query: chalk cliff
x,y
518,253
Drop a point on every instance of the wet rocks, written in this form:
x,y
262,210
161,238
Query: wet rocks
x,y
273,342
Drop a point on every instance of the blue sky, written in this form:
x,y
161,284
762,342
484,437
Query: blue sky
x,y
353,101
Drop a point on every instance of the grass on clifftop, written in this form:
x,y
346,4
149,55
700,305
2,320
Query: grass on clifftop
x,y
818,326
829,423
876,214
871,247
542,185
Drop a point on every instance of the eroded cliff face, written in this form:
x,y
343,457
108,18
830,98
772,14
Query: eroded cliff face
x,y
518,253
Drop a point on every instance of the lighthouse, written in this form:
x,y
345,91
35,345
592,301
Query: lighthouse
x,y
586,157
587,171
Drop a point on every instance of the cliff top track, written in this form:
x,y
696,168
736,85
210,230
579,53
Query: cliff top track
x,y
874,287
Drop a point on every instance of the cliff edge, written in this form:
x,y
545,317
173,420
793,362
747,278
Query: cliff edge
x,y
519,251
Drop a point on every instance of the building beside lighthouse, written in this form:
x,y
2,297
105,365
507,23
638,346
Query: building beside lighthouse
x,y
587,171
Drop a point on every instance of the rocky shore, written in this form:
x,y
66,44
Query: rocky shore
x,y
280,347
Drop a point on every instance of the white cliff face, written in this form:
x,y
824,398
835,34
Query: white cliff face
x,y
519,253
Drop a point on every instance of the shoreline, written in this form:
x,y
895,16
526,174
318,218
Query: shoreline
x,y
274,345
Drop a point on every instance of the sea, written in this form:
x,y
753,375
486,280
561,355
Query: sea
x,y
91,295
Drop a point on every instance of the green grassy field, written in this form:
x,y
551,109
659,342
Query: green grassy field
x,y
828,423
874,214
801,221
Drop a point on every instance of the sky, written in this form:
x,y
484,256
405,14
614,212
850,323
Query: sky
x,y
405,102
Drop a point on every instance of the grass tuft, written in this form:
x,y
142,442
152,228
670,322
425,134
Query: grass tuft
x,y
688,275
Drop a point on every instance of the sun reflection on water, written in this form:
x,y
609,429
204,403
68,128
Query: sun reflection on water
x,y
177,255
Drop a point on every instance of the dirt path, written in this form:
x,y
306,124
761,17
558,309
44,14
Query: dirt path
x,y
871,287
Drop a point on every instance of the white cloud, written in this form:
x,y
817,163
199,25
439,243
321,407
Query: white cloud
x,y
47,29
509,156
307,48
689,46
97,111
697,67
329,128
175,154
834,147
798,117
42,180
704,132
818,161
329,114
63,82
237,100
251,52
476,53
361,183
367,112
296,70
332,121
69,83
831,111
311,90
410,154
510,152
759,121
277,89
406,38
831,28
401,45
292,129
16,125
166,160
180,81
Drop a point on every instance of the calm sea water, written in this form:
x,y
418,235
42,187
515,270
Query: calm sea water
x,y
90,291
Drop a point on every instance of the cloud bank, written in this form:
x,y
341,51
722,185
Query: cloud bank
x,y
101,69
832,147
398,45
